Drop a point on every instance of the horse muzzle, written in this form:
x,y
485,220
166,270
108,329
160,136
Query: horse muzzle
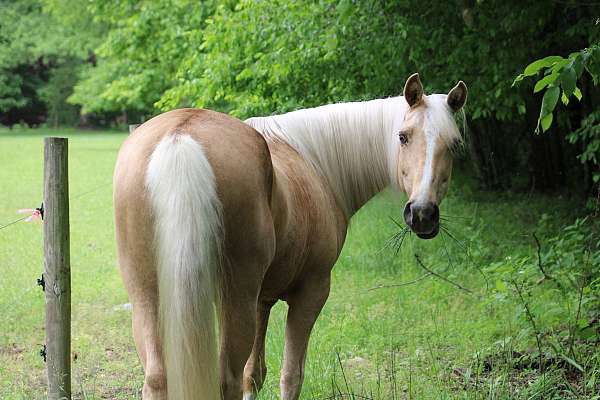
x,y
422,218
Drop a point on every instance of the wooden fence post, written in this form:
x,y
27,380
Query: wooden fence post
x,y
132,127
57,270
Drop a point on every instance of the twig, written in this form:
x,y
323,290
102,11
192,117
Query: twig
x,y
341,395
467,253
456,285
401,284
539,254
531,321
577,316
584,279
339,360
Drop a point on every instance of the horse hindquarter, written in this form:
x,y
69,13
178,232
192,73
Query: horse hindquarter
x,y
173,177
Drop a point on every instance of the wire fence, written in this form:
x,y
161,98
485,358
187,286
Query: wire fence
x,y
16,302
71,198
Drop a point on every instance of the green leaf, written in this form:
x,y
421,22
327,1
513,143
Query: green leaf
x,y
579,64
587,333
572,362
501,285
568,80
545,81
537,65
518,79
577,93
564,99
546,121
560,65
550,99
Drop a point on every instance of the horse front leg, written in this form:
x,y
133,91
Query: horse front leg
x,y
304,307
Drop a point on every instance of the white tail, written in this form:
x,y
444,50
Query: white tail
x,y
188,235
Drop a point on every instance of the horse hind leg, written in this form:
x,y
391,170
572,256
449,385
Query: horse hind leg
x,y
255,370
134,234
243,318
143,294
145,322
238,324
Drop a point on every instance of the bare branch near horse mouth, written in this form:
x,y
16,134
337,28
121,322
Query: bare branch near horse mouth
x,y
401,284
456,285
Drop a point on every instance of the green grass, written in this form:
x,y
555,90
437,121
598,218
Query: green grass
x,y
425,340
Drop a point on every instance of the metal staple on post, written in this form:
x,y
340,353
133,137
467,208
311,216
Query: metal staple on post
x,y
57,270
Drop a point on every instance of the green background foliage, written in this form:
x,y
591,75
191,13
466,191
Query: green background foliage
x,y
129,60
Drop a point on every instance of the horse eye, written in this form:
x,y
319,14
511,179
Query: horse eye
x,y
403,138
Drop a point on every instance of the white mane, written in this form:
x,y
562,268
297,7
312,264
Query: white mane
x,y
354,146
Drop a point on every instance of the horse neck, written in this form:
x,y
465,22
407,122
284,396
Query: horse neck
x,y
350,144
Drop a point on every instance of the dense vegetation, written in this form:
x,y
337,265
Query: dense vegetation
x,y
107,62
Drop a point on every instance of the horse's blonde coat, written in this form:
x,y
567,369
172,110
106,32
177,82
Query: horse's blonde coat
x,y
187,215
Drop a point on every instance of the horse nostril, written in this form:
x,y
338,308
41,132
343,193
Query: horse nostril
x,y
436,213
408,214
429,212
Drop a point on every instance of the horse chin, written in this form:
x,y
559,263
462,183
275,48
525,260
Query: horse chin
x,y
429,235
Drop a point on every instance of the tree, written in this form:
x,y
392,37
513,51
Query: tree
x,y
39,59
251,57
138,59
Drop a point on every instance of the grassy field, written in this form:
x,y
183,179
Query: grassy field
x,y
424,339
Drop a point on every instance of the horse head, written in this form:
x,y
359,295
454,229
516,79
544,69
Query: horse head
x,y
426,137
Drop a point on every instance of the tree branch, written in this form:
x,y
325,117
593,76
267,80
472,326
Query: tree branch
x,y
401,284
456,285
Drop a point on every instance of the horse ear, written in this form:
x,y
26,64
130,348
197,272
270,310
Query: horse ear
x,y
413,90
457,97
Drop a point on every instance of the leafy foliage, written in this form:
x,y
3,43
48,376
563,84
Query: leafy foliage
x,y
133,59
56,92
19,47
259,56
559,293
559,79
588,135
32,43
139,56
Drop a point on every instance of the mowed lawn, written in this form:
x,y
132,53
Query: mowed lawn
x,y
422,340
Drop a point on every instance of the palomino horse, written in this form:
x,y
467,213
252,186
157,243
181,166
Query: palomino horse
x,y
217,219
